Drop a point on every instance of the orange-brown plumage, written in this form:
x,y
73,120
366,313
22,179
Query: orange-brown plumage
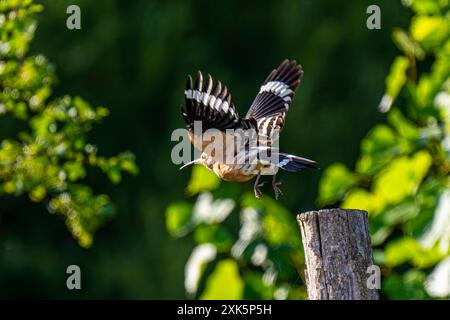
x,y
230,173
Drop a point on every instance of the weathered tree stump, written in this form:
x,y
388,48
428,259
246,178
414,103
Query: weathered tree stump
x,y
337,253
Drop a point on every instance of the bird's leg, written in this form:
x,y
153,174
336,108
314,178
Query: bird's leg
x,y
275,186
257,186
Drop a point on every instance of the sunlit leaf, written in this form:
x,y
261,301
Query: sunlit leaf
x,y
394,82
38,193
201,180
430,30
224,283
409,250
404,127
426,6
401,178
178,218
360,199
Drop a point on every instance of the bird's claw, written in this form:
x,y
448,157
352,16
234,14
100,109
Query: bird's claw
x,y
258,192
276,189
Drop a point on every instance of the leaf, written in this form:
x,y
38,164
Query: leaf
x,y
127,162
401,178
278,224
335,182
404,127
394,82
378,236
409,250
218,235
280,228
360,199
178,217
75,170
406,286
426,6
201,180
400,213
430,31
409,46
224,283
83,110
256,288
378,149
38,193
400,251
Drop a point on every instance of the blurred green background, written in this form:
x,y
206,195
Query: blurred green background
x,y
133,57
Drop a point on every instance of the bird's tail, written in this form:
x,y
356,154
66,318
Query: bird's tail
x,y
293,163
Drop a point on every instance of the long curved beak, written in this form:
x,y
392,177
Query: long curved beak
x,y
196,161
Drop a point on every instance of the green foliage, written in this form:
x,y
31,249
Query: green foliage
x,y
340,180
137,70
408,250
201,180
402,173
178,216
259,258
224,282
400,177
408,285
48,159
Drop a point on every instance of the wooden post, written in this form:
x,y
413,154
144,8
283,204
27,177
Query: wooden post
x,y
337,254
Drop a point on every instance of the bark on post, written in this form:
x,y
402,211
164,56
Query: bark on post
x,y
337,253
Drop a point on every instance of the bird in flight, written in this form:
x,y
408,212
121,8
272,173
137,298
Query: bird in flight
x,y
239,148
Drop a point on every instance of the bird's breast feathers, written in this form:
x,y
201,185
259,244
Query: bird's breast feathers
x,y
230,173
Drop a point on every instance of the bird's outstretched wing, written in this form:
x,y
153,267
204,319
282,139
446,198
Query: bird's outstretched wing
x,y
211,104
274,98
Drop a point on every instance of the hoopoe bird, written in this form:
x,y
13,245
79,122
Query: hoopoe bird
x,y
210,106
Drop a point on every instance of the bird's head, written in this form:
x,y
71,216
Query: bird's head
x,y
204,159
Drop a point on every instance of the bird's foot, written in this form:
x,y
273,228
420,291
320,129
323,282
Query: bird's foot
x,y
258,192
276,188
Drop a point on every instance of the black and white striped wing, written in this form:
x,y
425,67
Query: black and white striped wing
x,y
211,104
274,98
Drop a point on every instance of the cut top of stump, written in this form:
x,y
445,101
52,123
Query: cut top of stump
x,y
343,212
